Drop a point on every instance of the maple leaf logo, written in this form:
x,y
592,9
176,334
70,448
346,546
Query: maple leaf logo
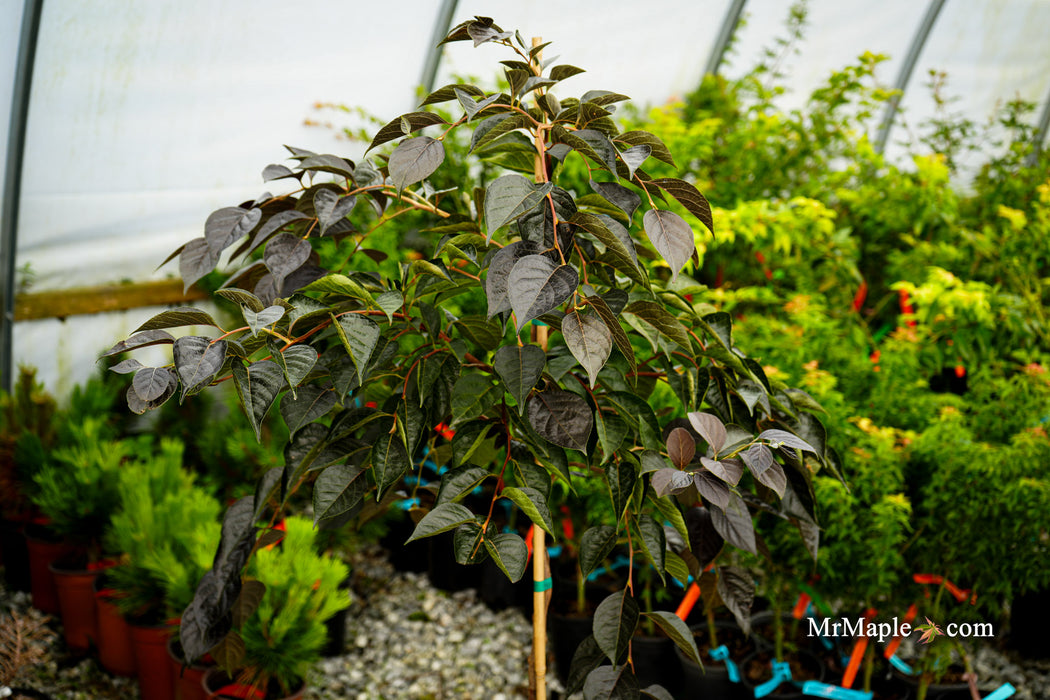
x,y
930,631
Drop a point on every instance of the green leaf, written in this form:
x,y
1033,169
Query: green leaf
x,y
660,319
262,319
140,340
495,127
667,482
458,482
467,440
389,302
327,163
620,477
538,285
411,422
562,418
173,318
588,656
257,385
636,138
654,541
443,518
405,125
311,403
473,394
612,429
197,360
338,490
595,545
564,71
449,92
414,160
241,298
510,553
509,197
589,340
296,362
390,461
671,236
614,622
486,334
466,545
783,437
669,510
689,197
339,284
676,629
720,326
533,504
359,335
520,367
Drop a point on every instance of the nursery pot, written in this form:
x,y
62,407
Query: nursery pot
x,y
566,632
938,691
756,670
656,663
15,555
335,627
713,680
188,677
216,681
115,651
156,679
42,554
76,602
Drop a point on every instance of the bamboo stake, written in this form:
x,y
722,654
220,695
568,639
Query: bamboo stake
x,y
541,582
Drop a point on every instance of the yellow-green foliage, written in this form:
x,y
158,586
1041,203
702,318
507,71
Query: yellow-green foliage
x,y
167,529
286,634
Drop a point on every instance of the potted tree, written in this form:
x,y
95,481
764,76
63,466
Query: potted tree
x,y
166,529
512,327
77,493
279,619
26,421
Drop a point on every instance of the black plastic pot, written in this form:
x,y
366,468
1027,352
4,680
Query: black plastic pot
x,y
713,680
498,592
756,669
939,691
443,570
335,628
1028,616
828,651
565,633
656,663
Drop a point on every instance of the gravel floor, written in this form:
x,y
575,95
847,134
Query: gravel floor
x,y
406,639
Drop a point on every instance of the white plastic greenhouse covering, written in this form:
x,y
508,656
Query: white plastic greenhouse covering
x,y
143,117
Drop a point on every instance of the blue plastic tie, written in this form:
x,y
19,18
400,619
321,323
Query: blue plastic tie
x,y
837,692
781,673
554,551
1004,691
408,503
899,664
722,654
541,586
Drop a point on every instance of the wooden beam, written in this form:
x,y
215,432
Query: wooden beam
x,y
94,300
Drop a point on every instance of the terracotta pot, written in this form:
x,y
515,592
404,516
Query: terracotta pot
x,y
156,678
215,681
189,679
76,602
42,554
115,651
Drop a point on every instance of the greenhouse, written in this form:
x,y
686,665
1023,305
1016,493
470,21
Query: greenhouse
x,y
592,350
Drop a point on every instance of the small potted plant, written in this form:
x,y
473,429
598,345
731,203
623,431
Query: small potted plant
x,y
76,490
167,529
279,620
